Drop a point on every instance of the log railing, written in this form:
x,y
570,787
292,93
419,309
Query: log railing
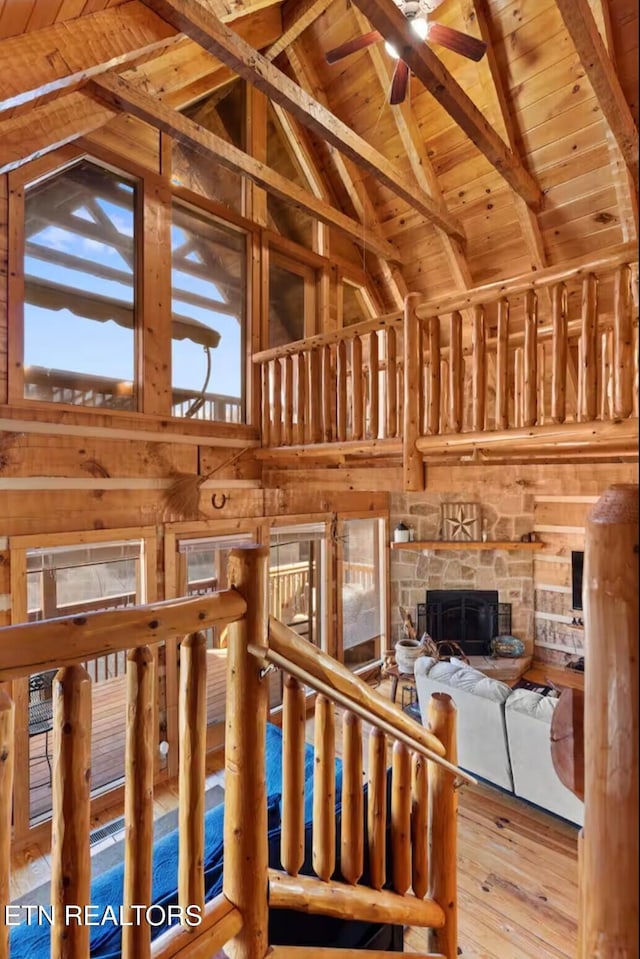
x,y
546,361
417,886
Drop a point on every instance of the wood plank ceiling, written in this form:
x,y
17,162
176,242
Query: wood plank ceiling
x,y
566,131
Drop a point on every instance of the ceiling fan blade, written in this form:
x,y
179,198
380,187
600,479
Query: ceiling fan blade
x,y
399,83
462,43
352,46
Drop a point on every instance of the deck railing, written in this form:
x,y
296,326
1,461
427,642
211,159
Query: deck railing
x,y
545,364
422,872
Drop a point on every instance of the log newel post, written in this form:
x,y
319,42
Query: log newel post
x,y
412,347
70,856
7,726
245,881
138,798
443,814
609,866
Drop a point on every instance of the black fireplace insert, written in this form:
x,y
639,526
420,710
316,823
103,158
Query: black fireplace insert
x,y
469,617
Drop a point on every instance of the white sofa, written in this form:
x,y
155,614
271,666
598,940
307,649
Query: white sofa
x,y
503,734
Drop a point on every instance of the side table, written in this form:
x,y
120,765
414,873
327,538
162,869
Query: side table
x,y
394,674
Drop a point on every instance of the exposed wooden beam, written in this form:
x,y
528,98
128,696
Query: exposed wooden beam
x,y
121,95
297,15
387,18
194,19
582,28
416,151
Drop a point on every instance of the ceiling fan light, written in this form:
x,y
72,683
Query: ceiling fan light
x,y
391,50
420,27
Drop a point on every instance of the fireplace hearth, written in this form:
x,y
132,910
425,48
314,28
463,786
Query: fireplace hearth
x,y
469,617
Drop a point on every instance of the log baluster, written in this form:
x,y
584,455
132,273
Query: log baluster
x,y
357,397
276,420
302,399
478,369
138,798
377,808
419,825
589,350
327,393
530,360
559,353
352,838
623,344
324,789
293,730
401,817
392,384
7,728
287,423
245,789
606,385
541,374
374,401
444,396
341,412
456,381
609,894
502,366
443,812
70,821
518,376
433,407
315,395
266,406
412,354
192,727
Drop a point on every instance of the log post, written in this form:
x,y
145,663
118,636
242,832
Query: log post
x,y
444,393
287,425
341,412
609,895
138,798
71,788
276,419
327,393
293,730
392,383
401,817
589,351
357,398
192,725
530,399
559,347
541,384
623,345
245,881
315,395
433,414
443,827
374,400
606,393
377,808
419,825
518,376
266,406
478,370
456,373
302,399
7,726
502,366
352,837
324,790
413,468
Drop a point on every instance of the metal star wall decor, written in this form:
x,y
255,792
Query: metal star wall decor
x,y
461,522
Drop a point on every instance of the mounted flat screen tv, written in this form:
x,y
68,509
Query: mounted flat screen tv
x,y
577,558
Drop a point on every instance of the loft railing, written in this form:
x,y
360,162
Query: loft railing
x,y
544,361
422,872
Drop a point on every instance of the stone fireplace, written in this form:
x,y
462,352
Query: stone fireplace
x,y
468,617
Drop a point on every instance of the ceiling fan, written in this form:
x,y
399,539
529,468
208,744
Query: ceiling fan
x,y
417,13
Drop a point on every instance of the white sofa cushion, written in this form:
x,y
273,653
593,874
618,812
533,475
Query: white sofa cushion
x,y
482,737
528,720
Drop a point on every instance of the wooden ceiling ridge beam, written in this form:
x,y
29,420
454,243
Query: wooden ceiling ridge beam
x,y
297,15
418,156
582,28
121,95
385,16
193,18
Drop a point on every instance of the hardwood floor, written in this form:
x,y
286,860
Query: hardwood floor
x,y
517,875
